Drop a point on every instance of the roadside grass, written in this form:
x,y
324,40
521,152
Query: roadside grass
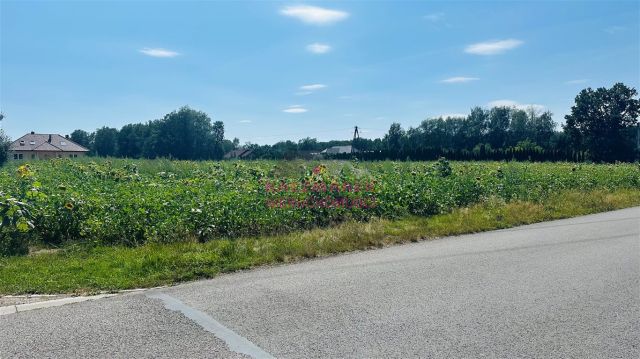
x,y
99,269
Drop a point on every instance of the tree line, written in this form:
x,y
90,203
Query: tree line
x,y
602,127
185,134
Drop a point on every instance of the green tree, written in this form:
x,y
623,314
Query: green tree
x,y
185,134
105,142
5,141
83,138
519,127
475,127
307,144
602,120
394,138
131,140
542,127
217,144
498,126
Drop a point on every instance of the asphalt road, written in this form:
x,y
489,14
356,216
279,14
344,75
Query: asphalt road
x,y
568,288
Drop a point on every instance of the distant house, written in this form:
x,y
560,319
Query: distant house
x,y
36,146
337,150
240,153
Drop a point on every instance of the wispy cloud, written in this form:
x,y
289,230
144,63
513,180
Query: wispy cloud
x,y
158,52
314,15
576,82
492,47
309,89
459,79
318,48
245,121
516,104
295,109
435,17
313,87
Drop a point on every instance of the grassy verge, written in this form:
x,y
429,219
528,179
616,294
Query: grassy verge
x,y
115,268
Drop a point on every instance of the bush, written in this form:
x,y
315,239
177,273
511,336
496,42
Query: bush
x,y
13,244
4,147
15,222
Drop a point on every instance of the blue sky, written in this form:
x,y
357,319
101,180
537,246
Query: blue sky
x,y
287,70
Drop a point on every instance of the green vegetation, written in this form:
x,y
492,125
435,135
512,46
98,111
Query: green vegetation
x,y
4,143
602,126
117,202
89,270
182,134
604,123
113,224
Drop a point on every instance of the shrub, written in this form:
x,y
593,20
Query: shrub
x,y
15,223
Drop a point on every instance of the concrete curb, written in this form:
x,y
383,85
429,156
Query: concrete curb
x,y
11,309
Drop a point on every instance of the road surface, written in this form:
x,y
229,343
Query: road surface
x,y
568,288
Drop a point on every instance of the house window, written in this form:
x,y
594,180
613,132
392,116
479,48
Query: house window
x,y
15,156
70,155
20,156
63,143
74,155
21,143
59,156
33,156
32,142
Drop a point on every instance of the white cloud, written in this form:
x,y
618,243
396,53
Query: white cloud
x,y
295,109
502,103
245,121
435,17
520,106
459,79
314,15
158,52
492,47
309,89
318,48
452,115
575,82
313,87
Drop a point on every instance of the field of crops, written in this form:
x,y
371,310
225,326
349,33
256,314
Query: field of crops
x,y
132,202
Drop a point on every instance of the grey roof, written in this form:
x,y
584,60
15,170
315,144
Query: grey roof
x,y
45,142
239,153
337,150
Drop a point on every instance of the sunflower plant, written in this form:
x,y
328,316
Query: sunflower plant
x,y
15,223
